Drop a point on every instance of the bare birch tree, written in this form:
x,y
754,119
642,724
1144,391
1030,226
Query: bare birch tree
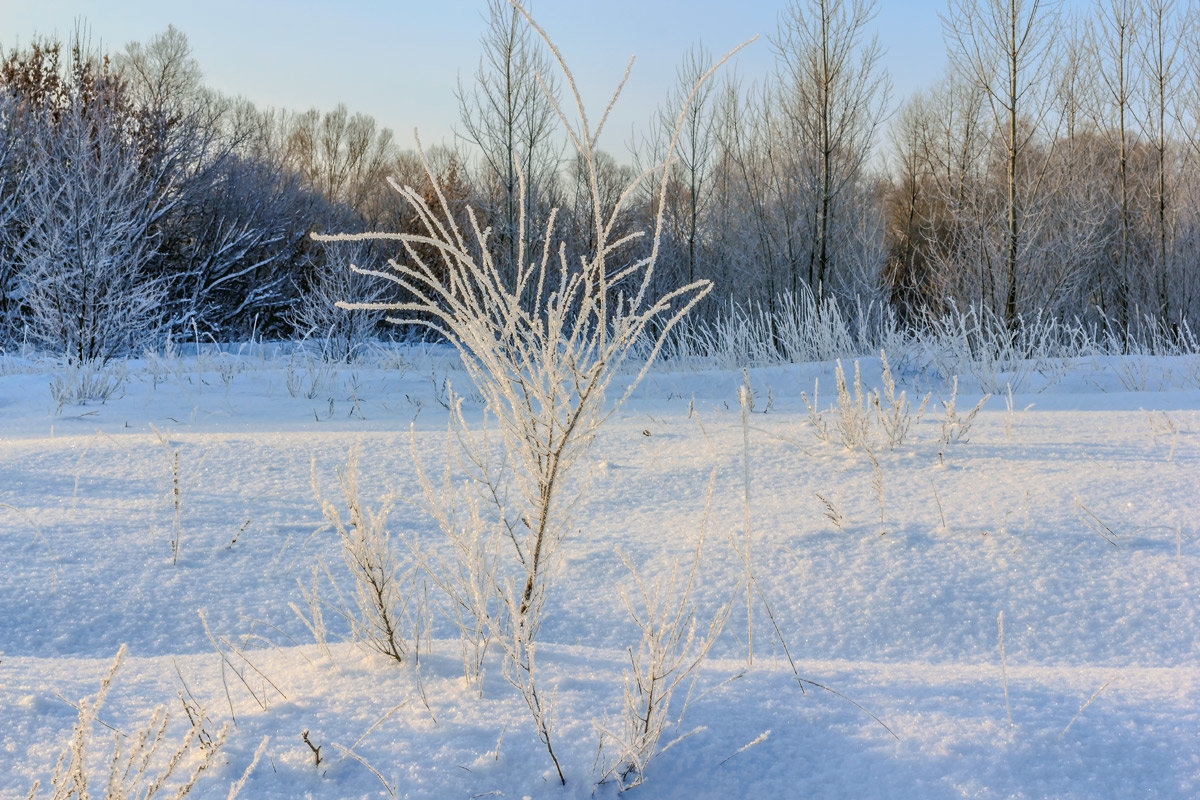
x,y
1004,47
1159,56
833,93
1117,26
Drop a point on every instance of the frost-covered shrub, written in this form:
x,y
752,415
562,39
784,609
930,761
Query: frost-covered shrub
x,y
543,341
84,270
341,332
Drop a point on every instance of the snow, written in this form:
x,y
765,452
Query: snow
x,y
1046,570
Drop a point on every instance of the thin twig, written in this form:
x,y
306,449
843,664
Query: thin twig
x,y
1083,708
1004,668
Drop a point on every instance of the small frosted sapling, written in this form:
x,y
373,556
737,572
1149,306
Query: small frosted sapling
x,y
671,647
385,615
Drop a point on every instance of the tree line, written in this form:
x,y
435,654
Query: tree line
x,y
1054,170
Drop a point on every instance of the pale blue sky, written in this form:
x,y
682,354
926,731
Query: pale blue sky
x,y
398,60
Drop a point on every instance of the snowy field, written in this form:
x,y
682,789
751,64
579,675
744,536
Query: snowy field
x,y
1011,614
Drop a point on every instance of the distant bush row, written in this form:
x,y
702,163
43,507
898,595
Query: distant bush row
x,y
137,203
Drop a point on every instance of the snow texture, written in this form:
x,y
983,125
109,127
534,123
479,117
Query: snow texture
x,y
1010,615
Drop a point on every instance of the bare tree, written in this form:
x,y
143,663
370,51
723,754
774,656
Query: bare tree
x,y
239,238
734,237
1004,47
941,227
1159,55
762,229
171,108
833,94
1186,293
219,238
689,193
1117,27
910,277
508,114
741,172
332,279
341,155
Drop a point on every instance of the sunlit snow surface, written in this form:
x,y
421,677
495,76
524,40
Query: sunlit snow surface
x,y
1073,511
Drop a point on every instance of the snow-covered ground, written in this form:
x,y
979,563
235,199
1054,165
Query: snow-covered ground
x,y
1014,614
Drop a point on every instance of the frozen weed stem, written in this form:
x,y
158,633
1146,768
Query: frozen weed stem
x,y
176,493
79,382
853,421
956,426
866,419
541,347
893,411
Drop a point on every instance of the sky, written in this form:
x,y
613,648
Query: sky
x,y
400,60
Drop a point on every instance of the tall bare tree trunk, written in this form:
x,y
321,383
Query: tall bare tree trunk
x,y
1015,34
